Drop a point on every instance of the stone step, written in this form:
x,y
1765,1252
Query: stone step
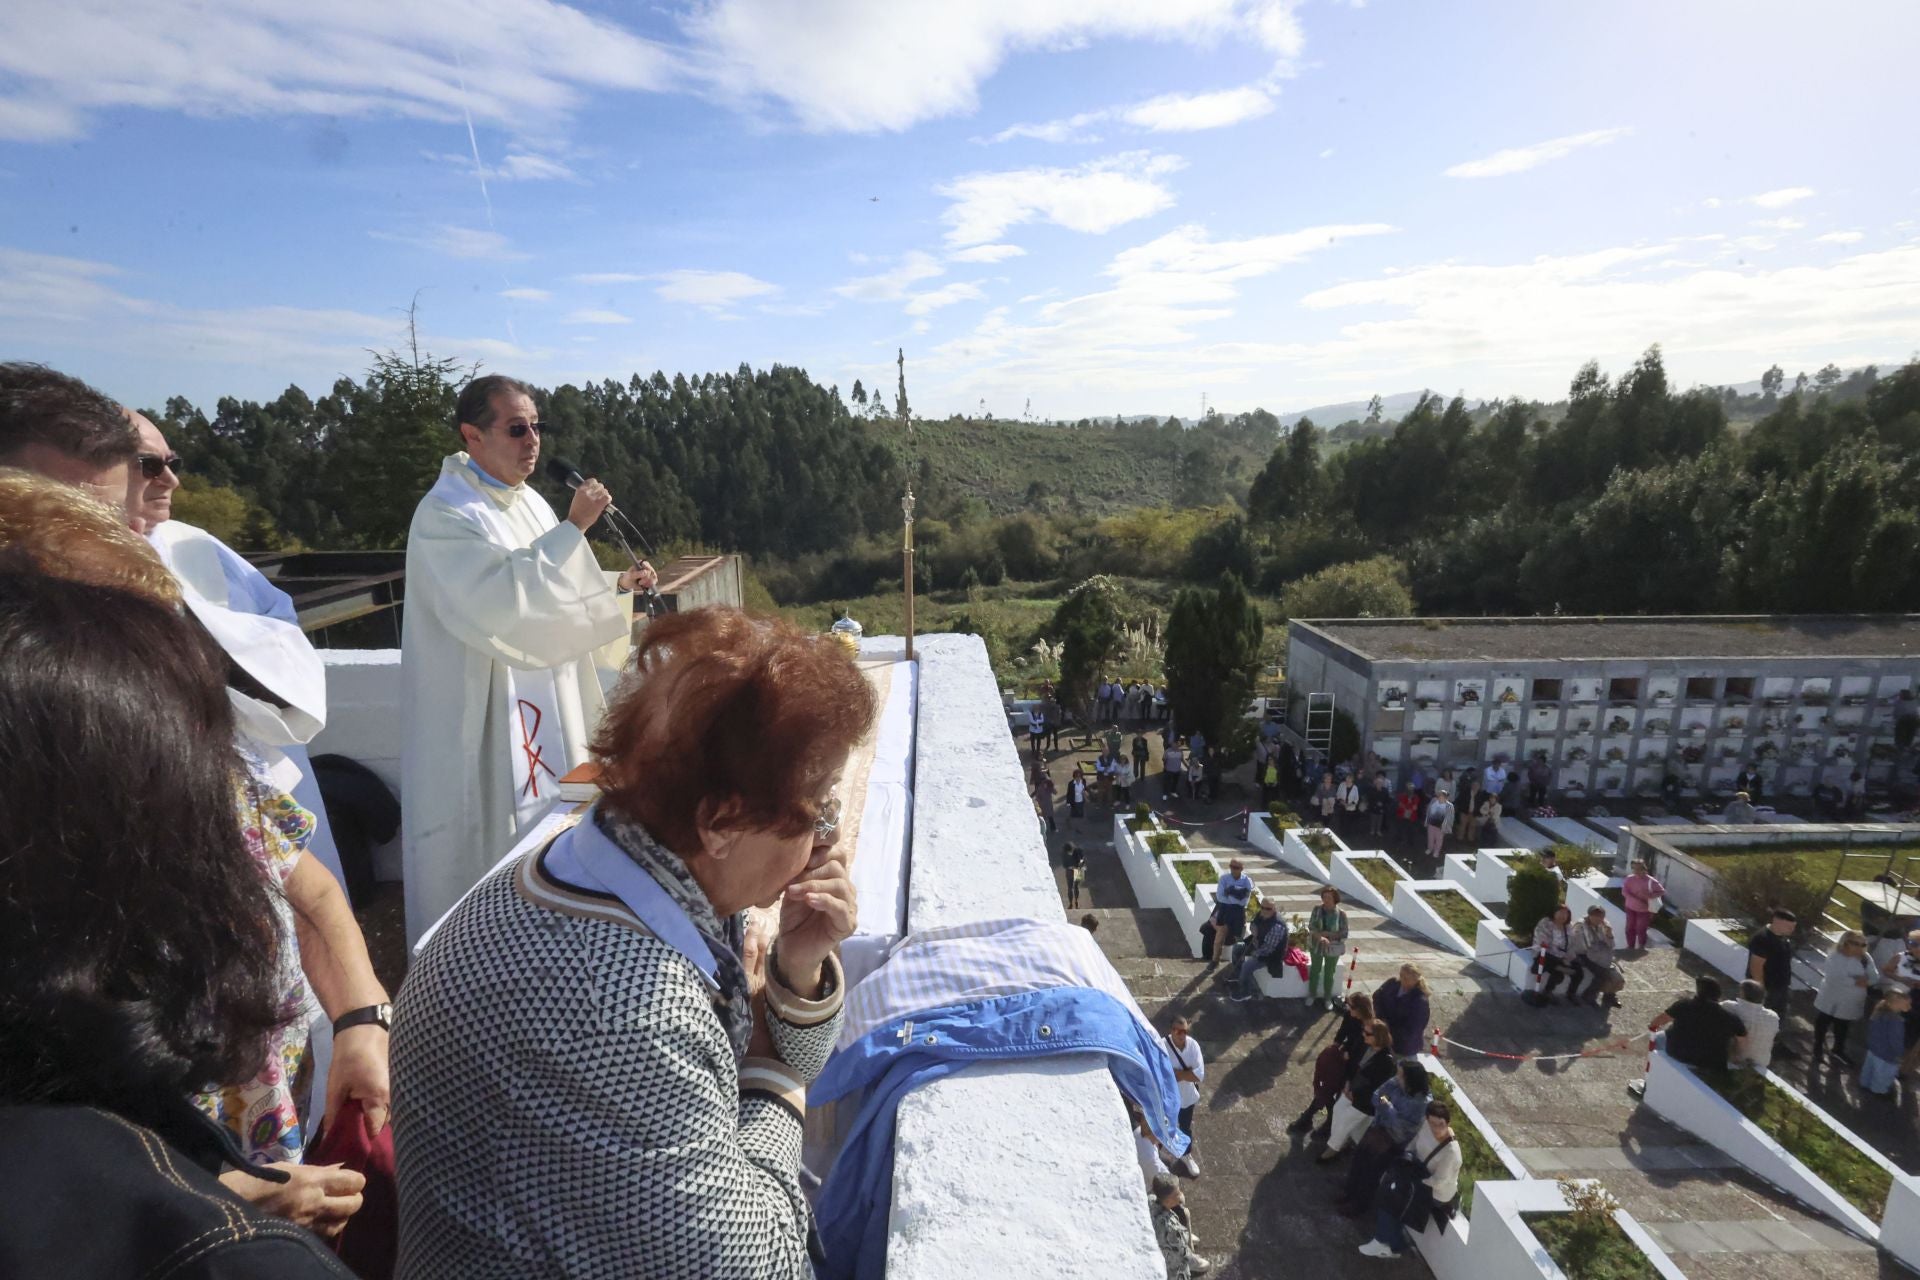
x,y
1756,1235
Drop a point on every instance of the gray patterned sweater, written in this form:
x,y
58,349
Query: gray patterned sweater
x,y
567,1102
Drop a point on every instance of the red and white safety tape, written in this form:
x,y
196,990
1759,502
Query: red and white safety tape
x,y
1607,1050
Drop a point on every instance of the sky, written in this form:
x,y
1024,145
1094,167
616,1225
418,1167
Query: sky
x,y
1055,207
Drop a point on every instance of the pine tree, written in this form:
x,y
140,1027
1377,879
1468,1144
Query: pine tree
x,y
1213,655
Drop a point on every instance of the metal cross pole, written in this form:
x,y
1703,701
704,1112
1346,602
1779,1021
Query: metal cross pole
x,y
906,512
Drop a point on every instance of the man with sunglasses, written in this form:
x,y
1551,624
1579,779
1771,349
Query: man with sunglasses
x,y
509,623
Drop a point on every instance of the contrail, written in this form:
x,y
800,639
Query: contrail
x,y
479,170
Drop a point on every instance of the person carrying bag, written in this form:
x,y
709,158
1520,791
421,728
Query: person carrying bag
x,y
1420,1188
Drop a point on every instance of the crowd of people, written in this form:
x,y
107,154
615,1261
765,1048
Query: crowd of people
x,y
167,937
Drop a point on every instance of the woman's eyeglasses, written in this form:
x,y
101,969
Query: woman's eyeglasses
x,y
829,820
519,430
151,465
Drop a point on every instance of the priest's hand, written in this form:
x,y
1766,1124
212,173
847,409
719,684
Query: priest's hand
x,y
817,912
590,502
639,578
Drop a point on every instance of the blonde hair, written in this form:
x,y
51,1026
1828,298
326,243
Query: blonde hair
x,y
1419,979
62,532
1853,938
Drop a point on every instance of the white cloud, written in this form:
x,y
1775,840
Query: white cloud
x,y
1327,154
987,253
609,277
850,65
523,62
1185,112
1494,328
1521,159
1133,333
1094,197
946,295
521,167
457,242
891,286
1074,128
1841,237
1780,199
527,295
141,349
712,290
1779,224
594,316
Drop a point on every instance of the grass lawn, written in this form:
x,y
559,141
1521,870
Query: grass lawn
x,y
1320,841
1819,865
1478,1163
1379,873
1457,910
1161,843
1669,923
1195,874
1832,1159
1593,1250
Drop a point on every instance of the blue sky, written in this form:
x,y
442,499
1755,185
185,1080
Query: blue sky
x,y
1088,207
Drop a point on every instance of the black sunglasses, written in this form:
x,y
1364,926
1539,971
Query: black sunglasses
x,y
518,431
151,466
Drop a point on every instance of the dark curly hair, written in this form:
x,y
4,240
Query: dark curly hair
x,y
138,951
39,405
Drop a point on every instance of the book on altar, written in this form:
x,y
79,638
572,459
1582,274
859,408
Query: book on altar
x,y
581,783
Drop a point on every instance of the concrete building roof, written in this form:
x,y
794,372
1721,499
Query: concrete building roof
x,y
1702,636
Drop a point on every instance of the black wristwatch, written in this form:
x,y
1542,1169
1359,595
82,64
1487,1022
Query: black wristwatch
x,y
380,1015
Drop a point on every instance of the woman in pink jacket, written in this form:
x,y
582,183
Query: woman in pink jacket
x,y
1637,894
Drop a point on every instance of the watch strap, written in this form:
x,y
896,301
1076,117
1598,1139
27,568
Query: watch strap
x,y
379,1015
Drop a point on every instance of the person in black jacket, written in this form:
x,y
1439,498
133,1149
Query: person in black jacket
x,y
138,948
1334,1067
1353,1113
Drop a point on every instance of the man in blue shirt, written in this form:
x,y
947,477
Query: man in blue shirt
x,y
1230,897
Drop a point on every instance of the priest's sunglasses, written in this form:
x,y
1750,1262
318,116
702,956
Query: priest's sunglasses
x,y
151,465
519,430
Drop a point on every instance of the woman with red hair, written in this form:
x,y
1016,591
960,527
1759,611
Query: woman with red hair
x,y
591,1075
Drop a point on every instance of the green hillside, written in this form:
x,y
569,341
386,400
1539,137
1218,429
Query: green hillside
x,y
1095,469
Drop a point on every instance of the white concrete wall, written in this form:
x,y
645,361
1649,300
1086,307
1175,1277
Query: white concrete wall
x,y
1357,887
1676,1094
1003,1167
364,724
1411,910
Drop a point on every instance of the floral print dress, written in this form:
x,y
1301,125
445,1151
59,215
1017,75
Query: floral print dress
x,y
263,1113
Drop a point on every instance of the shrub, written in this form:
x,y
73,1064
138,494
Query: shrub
x,y
1749,889
1575,860
1586,1242
1161,843
1319,841
1532,892
1142,811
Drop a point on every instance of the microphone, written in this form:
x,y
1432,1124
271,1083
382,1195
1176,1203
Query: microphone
x,y
563,472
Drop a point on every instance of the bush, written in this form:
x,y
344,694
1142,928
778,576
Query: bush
x,y
1575,860
1375,588
1748,890
1161,843
1532,892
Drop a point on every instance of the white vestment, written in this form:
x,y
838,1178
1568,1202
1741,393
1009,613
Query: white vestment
x,y
254,623
505,610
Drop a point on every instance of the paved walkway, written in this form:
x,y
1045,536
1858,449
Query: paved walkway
x,y
1261,1207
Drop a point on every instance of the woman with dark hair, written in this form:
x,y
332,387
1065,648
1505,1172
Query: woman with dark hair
x,y
592,1072
117,770
1399,1105
1423,1186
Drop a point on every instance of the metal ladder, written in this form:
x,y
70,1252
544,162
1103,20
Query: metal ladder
x,y
1319,735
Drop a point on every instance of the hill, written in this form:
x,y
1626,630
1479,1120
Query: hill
x,y
1094,469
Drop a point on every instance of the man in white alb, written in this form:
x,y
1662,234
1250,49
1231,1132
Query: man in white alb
x,y
506,610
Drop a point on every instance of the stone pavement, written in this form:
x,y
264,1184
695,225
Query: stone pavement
x,y
1261,1206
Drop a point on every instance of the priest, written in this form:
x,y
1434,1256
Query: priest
x,y
509,623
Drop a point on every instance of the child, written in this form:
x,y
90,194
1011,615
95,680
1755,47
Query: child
x,y
1886,1041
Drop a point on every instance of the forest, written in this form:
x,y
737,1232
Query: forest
x,y
1627,497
